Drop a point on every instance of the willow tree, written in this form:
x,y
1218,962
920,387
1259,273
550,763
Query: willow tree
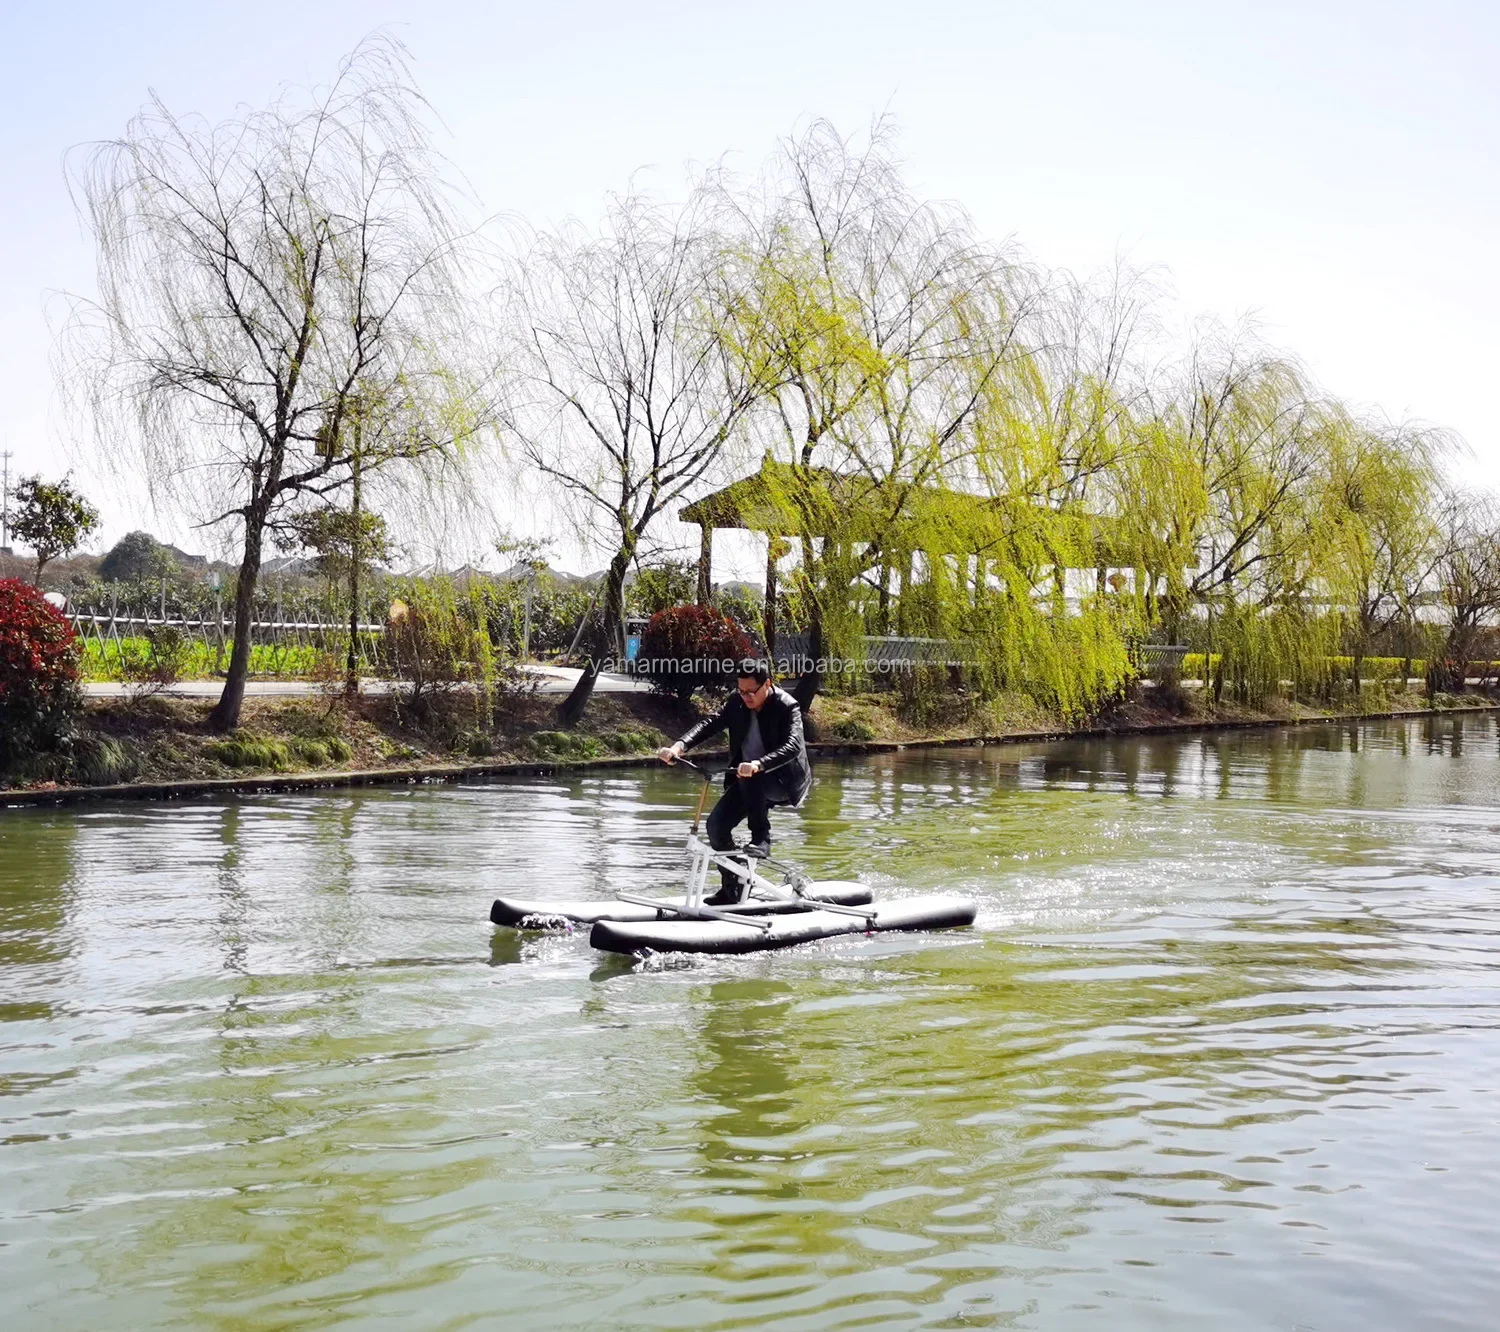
x,y
1056,432
261,278
1048,436
624,392
1467,574
1377,534
1219,497
877,325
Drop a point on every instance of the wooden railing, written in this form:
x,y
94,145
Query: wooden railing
x,y
792,654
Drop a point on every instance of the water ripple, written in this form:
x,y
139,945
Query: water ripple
x,y
1222,1052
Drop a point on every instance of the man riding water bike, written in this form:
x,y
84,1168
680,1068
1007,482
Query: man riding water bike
x,y
767,765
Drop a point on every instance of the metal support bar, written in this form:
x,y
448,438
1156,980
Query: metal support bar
x,y
839,909
702,912
775,891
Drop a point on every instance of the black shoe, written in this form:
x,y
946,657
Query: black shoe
x,y
758,850
724,897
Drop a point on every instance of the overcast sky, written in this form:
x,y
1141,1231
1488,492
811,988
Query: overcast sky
x,y
1327,167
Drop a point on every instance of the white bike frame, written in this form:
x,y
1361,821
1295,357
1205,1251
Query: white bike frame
x,y
704,857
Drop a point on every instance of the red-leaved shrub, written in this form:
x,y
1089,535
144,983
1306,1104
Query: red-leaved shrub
x,y
687,646
39,695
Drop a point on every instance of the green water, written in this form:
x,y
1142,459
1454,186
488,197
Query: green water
x,y
1223,1052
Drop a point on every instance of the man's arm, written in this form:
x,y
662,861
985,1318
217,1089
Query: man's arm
x,y
698,733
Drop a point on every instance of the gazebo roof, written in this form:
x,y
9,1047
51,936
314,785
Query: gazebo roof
x,y
782,500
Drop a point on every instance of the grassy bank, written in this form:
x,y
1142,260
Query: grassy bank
x,y
165,739
156,743
886,718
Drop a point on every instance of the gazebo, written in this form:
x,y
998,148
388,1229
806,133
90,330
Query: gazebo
x,y
787,502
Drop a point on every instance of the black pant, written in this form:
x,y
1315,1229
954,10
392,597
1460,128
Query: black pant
x,y
745,800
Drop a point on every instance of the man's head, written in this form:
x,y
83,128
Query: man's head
x,y
753,682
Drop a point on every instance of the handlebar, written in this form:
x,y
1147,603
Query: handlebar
x,y
708,774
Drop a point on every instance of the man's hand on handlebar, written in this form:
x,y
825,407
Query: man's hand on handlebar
x,y
671,753
748,769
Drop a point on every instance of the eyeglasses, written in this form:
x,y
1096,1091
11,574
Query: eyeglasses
x,y
750,693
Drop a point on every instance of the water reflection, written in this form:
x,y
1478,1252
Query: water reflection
x,y
36,932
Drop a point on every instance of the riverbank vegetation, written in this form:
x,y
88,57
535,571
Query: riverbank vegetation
x,y
1021,479
169,739
163,739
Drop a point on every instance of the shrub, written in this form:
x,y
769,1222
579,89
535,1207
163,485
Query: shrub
x,y
438,641
101,760
246,749
432,647
155,661
688,646
635,742
39,694
851,728
249,749
565,745
330,672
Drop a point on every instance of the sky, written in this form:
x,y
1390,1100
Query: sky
x,y
1329,169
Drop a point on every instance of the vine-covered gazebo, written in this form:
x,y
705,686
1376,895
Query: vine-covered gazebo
x,y
796,503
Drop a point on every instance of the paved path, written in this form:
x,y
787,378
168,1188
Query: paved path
x,y
549,680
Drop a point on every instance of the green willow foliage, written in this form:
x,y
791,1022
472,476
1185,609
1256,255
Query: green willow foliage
x,y
912,454
938,438
955,445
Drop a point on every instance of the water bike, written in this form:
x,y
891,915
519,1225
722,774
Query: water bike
x,y
768,914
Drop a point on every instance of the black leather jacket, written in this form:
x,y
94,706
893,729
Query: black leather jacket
x,y
780,731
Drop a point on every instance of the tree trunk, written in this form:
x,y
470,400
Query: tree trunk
x,y
226,713
613,626
610,643
571,708
811,680
1449,675
705,564
768,613
804,690
902,621
813,571
356,544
